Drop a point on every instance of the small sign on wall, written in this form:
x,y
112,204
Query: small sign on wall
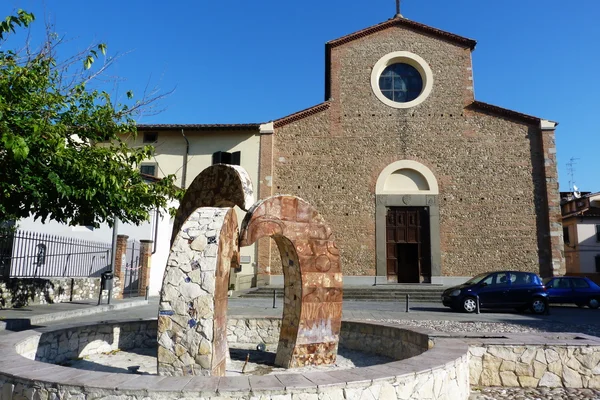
x,y
245,259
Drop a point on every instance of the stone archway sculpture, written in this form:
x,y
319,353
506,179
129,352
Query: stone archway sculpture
x,y
192,317
312,311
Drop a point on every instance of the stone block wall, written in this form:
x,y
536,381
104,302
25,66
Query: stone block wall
x,y
58,347
332,154
438,374
15,292
535,366
389,341
250,332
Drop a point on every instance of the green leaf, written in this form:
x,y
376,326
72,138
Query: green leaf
x,y
87,63
50,165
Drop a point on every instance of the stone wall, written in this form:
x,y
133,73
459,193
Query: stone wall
x,y
535,366
480,159
384,340
440,373
15,293
57,347
250,332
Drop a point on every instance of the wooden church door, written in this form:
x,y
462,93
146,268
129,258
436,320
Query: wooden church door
x,y
407,243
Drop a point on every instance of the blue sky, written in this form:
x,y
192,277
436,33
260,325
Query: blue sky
x,y
234,61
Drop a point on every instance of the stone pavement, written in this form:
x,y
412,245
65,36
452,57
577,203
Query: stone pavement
x,y
560,319
16,319
86,312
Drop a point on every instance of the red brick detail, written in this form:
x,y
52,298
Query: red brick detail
x,y
556,255
119,268
145,257
265,189
470,43
503,112
301,114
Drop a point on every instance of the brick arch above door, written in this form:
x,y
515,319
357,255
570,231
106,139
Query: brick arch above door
x,y
407,183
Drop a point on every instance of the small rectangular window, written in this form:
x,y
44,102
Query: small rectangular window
x,y
597,233
148,169
223,157
150,137
566,235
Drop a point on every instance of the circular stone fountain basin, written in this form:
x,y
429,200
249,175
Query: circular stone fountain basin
x,y
421,366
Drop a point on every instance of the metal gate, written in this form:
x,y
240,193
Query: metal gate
x,y
132,264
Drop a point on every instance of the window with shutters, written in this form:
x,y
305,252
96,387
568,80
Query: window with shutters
x,y
224,157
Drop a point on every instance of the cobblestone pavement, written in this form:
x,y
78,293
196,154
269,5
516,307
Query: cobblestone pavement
x,y
503,393
495,327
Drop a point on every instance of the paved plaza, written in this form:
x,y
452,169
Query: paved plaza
x,y
427,315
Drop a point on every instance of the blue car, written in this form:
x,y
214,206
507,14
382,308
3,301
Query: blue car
x,y
573,289
500,289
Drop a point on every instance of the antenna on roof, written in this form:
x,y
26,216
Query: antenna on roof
x,y
398,15
571,170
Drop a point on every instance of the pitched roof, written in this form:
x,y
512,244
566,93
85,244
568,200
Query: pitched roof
x,y
400,21
396,21
301,114
503,112
199,127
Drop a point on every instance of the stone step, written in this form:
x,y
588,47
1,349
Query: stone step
x,y
417,294
347,290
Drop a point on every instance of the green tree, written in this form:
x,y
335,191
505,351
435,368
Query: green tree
x,y
62,152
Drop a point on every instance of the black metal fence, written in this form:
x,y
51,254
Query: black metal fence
x,y
40,255
131,265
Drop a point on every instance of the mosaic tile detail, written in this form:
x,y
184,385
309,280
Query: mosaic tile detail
x,y
310,259
219,185
192,316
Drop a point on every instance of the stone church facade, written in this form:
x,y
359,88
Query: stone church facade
x,y
430,188
419,181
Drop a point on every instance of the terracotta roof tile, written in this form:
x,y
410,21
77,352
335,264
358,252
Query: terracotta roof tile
x,y
302,114
503,112
399,21
199,127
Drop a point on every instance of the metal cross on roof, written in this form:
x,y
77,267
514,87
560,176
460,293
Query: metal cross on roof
x,y
398,8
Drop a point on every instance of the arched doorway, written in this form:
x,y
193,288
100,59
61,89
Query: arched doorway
x,y
407,223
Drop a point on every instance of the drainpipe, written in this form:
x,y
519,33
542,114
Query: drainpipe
x,y
185,160
156,221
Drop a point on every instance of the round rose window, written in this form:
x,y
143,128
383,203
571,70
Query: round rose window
x,y
401,83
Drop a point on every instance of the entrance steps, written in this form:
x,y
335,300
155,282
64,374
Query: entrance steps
x,y
419,293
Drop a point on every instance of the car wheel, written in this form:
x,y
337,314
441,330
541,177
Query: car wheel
x,y
469,304
594,303
538,305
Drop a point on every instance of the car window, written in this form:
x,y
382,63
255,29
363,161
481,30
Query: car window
x,y
476,279
561,283
546,281
501,278
489,280
579,283
520,278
